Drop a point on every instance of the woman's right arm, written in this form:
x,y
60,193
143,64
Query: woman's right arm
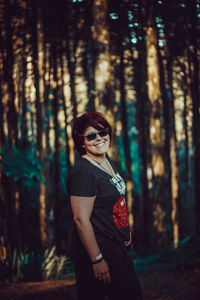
x,y
82,210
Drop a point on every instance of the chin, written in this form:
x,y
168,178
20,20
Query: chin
x,y
100,153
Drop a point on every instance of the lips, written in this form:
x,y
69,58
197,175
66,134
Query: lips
x,y
100,144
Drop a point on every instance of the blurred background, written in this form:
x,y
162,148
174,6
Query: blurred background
x,y
137,62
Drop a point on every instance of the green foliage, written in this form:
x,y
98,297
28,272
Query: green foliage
x,y
55,266
185,241
35,266
120,147
27,266
135,167
19,165
186,254
63,170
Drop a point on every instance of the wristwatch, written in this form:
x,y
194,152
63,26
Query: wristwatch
x,y
98,259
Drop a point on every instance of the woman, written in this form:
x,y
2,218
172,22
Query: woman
x,y
101,234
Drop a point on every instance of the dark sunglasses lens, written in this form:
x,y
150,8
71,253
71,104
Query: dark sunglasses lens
x,y
91,136
103,133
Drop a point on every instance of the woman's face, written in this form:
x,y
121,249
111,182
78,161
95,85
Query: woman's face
x,y
96,145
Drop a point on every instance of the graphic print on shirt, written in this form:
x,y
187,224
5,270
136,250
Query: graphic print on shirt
x,y
120,214
119,184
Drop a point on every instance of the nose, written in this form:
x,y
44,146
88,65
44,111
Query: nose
x,y
98,137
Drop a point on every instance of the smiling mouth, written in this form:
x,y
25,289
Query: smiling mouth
x,y
100,144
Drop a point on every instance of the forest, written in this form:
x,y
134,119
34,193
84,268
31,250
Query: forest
x,y
135,61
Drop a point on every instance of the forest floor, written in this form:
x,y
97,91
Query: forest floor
x,y
171,276
160,285
178,284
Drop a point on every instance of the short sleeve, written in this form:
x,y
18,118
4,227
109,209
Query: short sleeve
x,y
82,183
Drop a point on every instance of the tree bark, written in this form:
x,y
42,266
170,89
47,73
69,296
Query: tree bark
x,y
143,224
192,8
167,197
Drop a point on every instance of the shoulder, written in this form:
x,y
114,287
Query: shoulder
x,y
81,164
82,167
81,180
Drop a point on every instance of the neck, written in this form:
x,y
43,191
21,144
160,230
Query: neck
x,y
98,158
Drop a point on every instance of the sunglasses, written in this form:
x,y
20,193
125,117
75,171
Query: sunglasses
x,y
92,136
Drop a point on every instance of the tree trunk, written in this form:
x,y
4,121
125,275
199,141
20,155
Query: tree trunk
x,y
89,61
176,201
57,200
38,69
8,75
124,120
71,60
155,106
192,9
65,110
2,133
167,196
143,219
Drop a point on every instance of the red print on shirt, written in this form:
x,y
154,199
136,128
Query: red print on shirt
x,y
120,214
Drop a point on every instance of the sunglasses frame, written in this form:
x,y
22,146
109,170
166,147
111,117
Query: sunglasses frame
x,y
106,131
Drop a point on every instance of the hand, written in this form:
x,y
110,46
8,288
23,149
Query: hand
x,y
127,243
101,271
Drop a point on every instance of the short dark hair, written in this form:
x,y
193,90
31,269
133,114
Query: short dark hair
x,y
80,124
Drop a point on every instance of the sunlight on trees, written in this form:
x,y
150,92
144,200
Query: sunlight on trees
x,y
154,97
59,59
155,126
130,203
101,36
42,150
174,183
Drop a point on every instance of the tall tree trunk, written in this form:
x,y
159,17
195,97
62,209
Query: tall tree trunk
x,y
38,70
176,204
143,219
187,224
101,44
184,87
155,105
65,109
2,133
192,9
8,75
23,97
49,187
11,191
71,46
124,120
89,57
57,200
89,60
167,196
3,200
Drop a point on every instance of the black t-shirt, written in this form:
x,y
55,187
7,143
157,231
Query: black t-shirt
x,y
109,215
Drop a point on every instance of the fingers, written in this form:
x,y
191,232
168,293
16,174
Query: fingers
x,y
127,243
101,271
105,277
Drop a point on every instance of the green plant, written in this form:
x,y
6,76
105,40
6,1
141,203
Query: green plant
x,y
55,266
19,165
